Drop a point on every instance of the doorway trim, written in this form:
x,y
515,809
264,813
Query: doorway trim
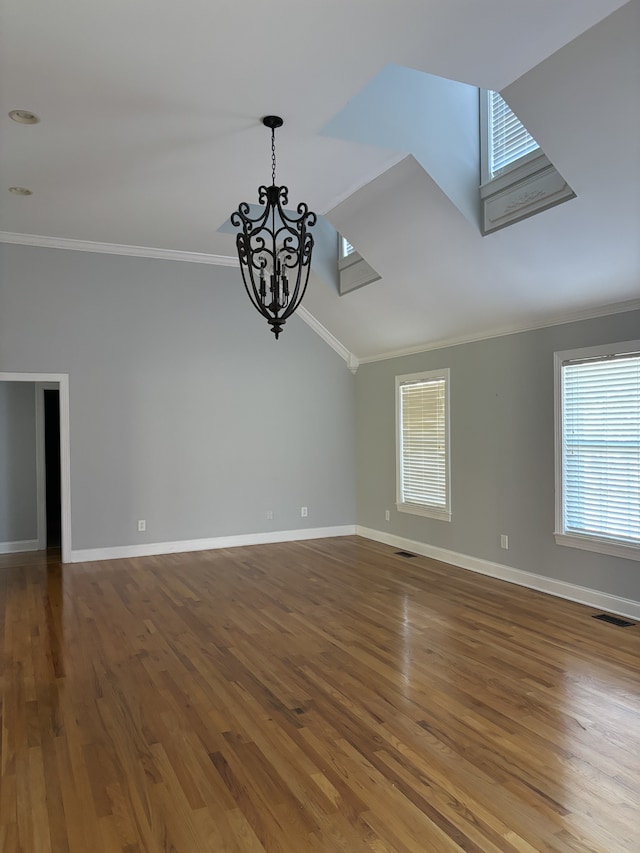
x,y
61,382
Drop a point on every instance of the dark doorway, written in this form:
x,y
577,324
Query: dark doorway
x,y
52,467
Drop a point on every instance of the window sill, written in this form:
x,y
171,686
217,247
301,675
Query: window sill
x,y
598,546
529,188
530,165
354,272
426,511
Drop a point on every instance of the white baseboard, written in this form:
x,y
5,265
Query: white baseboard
x,y
183,545
16,547
582,594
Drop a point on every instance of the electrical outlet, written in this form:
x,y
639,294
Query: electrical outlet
x,y
269,514
142,525
504,541
304,511
387,515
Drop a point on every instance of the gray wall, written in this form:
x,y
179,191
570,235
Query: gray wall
x,y
18,495
184,409
502,452
186,412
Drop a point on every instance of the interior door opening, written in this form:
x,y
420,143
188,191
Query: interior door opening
x,y
52,467
53,460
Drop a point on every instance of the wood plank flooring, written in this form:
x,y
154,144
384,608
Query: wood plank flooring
x,y
317,696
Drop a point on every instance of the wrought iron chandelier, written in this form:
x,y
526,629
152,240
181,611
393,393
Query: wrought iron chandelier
x,y
274,248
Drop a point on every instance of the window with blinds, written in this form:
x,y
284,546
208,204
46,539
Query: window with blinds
x,y
347,248
509,140
600,448
422,403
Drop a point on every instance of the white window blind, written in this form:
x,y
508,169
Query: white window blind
x,y
601,448
509,140
423,475
347,248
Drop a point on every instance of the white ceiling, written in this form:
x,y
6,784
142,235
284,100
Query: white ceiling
x,y
150,135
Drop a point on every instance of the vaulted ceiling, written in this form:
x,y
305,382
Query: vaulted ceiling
x,y
150,136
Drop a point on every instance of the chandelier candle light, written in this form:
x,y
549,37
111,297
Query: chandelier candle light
x,y
274,248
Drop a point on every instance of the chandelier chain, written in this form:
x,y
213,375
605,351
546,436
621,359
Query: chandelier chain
x,y
273,156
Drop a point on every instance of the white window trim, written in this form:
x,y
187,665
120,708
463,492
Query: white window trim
x,y
405,506
595,544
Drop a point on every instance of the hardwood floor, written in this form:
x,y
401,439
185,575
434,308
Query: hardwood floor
x,y
318,696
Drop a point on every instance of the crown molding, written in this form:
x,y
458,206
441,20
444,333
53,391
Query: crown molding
x,y
352,361
169,255
587,314
327,337
117,249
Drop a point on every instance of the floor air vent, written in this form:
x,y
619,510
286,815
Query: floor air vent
x,y
405,554
614,620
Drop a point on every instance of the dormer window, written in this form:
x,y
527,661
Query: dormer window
x,y
516,178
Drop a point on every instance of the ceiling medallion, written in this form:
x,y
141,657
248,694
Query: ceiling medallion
x,y
274,247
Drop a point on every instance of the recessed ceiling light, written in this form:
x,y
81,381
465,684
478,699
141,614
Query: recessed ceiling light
x,y
24,117
20,191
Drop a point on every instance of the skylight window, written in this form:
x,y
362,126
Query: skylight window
x,y
517,179
509,140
